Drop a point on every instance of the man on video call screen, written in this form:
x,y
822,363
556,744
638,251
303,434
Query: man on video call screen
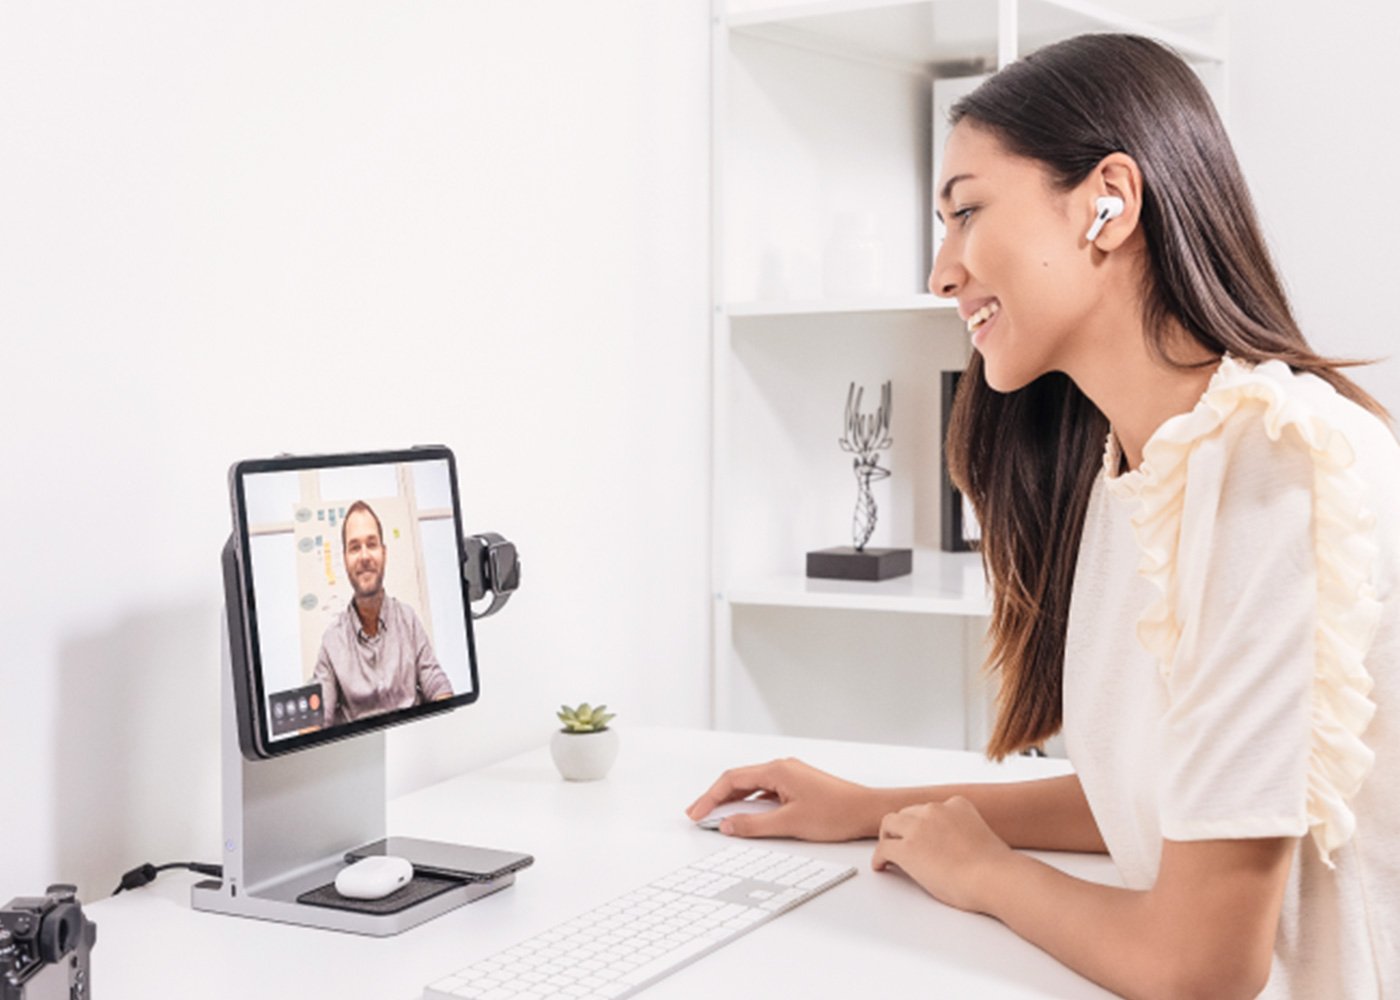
x,y
375,656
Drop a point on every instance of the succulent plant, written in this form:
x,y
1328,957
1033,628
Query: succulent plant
x,y
585,718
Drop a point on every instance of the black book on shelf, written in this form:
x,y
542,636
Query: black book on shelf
x,y
958,527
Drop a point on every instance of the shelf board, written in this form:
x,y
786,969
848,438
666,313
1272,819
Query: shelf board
x,y
1043,21
919,36
905,303
943,583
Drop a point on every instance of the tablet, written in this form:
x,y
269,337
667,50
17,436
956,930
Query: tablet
x,y
348,610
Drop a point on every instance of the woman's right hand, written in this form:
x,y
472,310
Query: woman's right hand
x,y
815,805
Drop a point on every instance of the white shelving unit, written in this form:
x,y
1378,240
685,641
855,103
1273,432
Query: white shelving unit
x,y
823,115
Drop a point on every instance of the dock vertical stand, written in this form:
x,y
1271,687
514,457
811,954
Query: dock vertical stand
x,y
288,822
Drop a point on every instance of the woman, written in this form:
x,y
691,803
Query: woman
x,y
1207,603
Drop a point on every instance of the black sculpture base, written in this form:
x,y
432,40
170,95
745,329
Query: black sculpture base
x,y
845,563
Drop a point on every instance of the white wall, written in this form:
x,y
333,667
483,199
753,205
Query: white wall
x,y
239,227
1314,92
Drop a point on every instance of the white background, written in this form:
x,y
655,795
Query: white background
x,y
217,219
220,222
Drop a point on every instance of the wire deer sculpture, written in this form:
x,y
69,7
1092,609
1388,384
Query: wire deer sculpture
x,y
866,435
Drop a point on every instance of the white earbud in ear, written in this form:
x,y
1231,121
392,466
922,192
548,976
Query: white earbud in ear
x,y
1109,207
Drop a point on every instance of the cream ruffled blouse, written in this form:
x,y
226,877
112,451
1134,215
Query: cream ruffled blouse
x,y
1232,664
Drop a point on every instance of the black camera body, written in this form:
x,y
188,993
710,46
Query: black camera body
x,y
46,947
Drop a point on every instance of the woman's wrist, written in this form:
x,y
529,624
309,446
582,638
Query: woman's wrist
x,y
1003,875
879,803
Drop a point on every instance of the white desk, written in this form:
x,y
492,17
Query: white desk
x,y
875,934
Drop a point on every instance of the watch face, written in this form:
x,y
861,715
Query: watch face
x,y
505,568
357,610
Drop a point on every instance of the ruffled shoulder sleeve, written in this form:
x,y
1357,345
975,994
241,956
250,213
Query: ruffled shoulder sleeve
x,y
1176,542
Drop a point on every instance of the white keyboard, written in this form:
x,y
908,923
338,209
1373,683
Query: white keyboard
x,y
623,946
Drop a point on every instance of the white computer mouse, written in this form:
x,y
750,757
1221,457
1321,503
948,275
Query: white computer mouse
x,y
373,877
743,806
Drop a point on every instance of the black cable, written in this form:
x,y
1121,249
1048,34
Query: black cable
x,y
146,874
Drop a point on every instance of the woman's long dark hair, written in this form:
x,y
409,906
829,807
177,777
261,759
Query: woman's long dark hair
x,y
1027,460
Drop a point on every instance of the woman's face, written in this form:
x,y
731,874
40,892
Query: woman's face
x,y
1015,258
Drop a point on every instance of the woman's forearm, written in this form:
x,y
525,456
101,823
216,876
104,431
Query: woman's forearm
x,y
1206,927
1050,814
1099,931
1137,944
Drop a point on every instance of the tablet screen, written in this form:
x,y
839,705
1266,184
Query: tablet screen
x,y
355,604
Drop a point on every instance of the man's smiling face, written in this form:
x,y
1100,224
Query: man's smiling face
x,y
364,554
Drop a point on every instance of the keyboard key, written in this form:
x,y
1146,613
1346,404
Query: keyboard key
x,y
671,960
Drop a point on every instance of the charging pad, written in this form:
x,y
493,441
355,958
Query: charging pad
x,y
420,888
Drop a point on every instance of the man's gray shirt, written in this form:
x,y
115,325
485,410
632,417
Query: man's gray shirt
x,y
362,676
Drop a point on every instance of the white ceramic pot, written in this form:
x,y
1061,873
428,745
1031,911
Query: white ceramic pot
x,y
584,756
